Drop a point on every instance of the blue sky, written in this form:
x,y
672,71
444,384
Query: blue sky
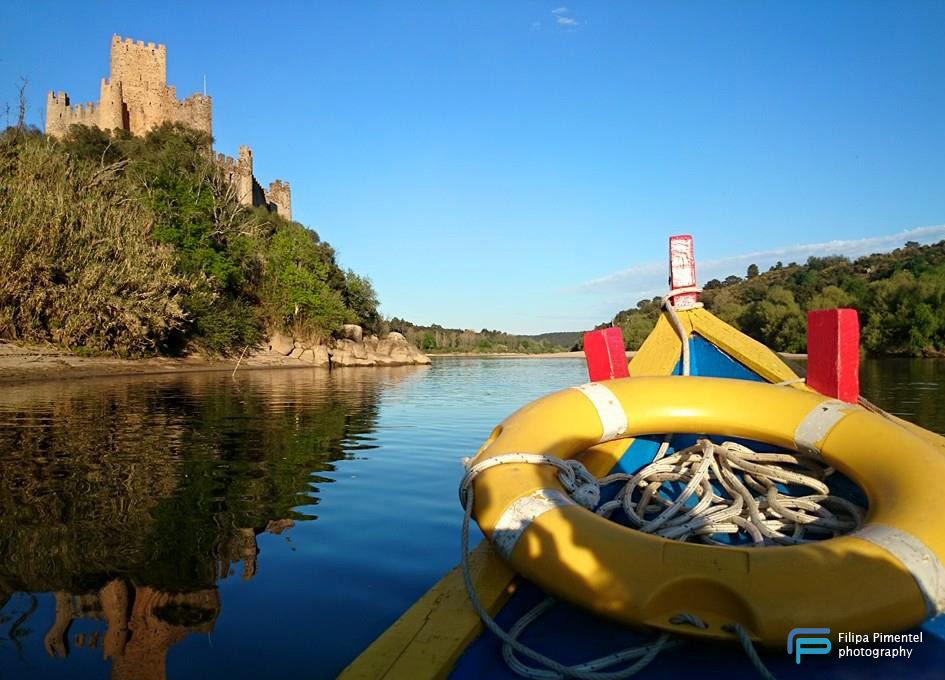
x,y
520,165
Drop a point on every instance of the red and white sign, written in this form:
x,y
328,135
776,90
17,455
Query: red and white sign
x,y
682,270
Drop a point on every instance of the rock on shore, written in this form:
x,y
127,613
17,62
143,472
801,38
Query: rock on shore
x,y
354,349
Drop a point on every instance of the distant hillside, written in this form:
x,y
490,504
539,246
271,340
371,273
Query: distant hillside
x,y
435,338
900,298
562,338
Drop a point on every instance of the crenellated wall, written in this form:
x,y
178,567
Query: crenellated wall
x,y
137,98
60,113
195,111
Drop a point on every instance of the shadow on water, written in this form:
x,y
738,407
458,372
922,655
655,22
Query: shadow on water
x,y
130,500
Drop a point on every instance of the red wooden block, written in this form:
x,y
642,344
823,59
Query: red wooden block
x,y
605,355
682,270
833,353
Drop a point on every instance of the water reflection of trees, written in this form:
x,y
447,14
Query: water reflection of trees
x,y
909,388
130,499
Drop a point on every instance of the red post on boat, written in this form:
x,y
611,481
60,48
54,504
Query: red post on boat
x,y
682,270
833,353
605,355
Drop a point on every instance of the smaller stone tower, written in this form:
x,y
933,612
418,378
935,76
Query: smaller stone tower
x,y
244,176
112,113
279,197
60,114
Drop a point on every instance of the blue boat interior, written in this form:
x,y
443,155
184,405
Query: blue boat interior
x,y
571,635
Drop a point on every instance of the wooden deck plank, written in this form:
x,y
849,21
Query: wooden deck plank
x,y
659,353
426,641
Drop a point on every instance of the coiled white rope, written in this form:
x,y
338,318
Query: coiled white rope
x,y
749,501
722,477
716,518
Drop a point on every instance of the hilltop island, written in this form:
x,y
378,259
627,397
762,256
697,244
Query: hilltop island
x,y
126,238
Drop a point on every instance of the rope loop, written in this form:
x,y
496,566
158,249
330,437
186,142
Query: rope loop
x,y
667,299
750,650
691,619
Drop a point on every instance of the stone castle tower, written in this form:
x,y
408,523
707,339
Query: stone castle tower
x,y
136,97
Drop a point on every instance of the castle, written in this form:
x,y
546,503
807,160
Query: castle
x,y
136,97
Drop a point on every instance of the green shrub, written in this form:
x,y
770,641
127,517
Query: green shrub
x,y
137,245
77,263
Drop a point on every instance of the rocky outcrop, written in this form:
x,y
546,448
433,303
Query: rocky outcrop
x,y
352,332
354,348
281,344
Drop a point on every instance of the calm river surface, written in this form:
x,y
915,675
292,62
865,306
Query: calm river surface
x,y
194,526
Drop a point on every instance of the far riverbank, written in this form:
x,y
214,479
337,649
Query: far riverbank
x,y
512,355
561,355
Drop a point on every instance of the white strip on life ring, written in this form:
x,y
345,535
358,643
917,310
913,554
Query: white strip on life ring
x,y
521,513
613,418
922,563
811,431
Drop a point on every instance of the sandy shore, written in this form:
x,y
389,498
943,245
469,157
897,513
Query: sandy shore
x,y
21,363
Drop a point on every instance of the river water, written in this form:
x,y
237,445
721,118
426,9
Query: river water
x,y
196,526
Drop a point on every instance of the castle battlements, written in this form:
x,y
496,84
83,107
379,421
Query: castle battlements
x,y
136,97
128,43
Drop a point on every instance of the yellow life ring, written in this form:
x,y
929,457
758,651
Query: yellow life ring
x,y
886,576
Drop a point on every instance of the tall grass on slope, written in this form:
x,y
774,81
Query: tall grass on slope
x,y
78,265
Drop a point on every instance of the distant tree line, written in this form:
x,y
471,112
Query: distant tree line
x,y
139,245
436,339
899,296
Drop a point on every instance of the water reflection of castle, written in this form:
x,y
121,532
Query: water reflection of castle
x,y
141,623
130,501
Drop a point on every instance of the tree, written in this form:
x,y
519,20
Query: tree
x,y
900,298
21,110
299,294
361,299
752,271
778,321
831,297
